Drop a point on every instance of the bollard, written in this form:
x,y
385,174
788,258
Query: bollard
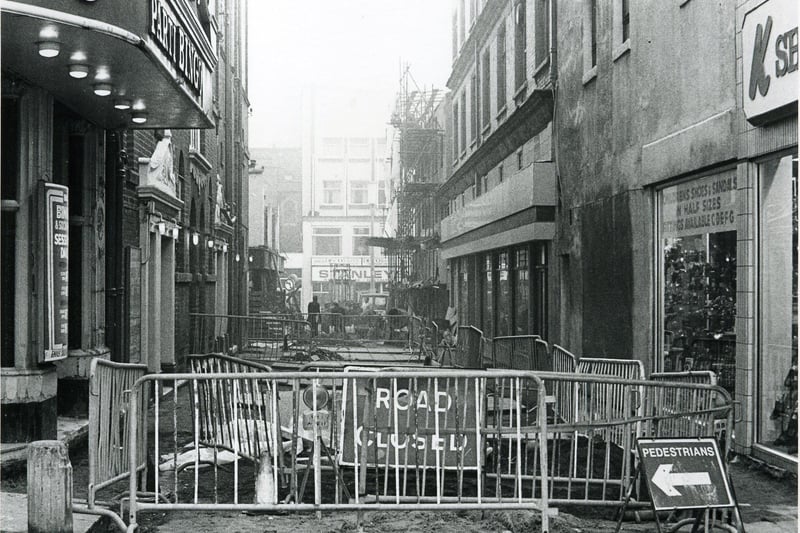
x,y
265,485
49,487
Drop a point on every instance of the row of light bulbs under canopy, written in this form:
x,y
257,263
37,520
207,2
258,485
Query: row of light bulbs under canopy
x,y
162,229
79,69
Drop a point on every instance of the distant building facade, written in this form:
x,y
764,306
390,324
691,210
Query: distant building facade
x,y
275,226
344,190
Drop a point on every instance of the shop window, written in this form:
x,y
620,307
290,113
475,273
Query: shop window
x,y
698,265
538,261
487,296
522,292
589,35
8,224
503,310
326,241
360,236
777,363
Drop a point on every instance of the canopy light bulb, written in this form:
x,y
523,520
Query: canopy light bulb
x,y
49,48
78,71
103,89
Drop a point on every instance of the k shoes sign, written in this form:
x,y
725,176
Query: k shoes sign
x,y
770,60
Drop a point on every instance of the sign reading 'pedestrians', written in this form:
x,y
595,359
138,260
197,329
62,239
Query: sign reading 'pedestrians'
x,y
684,473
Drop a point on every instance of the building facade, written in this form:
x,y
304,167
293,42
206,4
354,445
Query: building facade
x,y
94,200
275,227
498,202
344,196
676,242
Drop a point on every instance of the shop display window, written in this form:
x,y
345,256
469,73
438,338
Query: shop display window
x,y
698,264
777,353
503,296
488,296
522,292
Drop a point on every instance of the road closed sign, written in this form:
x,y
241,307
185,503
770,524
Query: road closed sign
x,y
684,473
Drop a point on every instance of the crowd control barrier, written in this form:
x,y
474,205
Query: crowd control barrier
x,y
404,438
260,336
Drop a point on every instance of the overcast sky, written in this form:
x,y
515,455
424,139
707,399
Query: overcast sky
x,y
295,44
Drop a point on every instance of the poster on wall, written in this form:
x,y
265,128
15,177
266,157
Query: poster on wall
x,y
703,205
56,270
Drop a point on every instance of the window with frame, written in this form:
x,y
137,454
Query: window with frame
x,y
332,147
519,44
381,196
590,8
621,26
541,32
8,226
522,292
360,236
500,174
331,192
455,33
501,66
463,121
359,193
462,18
474,108
455,131
326,241
194,140
359,148
486,108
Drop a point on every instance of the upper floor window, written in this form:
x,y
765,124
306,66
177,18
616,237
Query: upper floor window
x,y
519,44
332,192
194,140
463,121
359,193
455,33
360,236
621,24
485,89
326,241
541,32
455,131
501,66
589,34
359,149
473,110
332,147
462,16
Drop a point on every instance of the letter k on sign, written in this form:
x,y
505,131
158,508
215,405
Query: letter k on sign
x,y
758,78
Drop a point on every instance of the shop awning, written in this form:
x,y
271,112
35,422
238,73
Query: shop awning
x,y
153,56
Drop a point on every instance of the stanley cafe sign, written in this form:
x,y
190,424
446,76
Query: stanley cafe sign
x,y
770,61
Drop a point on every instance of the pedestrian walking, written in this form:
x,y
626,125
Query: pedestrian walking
x,y
313,316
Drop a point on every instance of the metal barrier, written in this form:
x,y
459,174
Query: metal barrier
x,y
261,337
414,439
593,457
409,439
469,349
518,353
681,397
110,385
563,359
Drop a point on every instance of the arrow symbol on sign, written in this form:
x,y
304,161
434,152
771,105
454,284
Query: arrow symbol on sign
x,y
665,480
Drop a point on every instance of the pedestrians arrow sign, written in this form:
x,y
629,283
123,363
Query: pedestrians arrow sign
x,y
665,480
684,473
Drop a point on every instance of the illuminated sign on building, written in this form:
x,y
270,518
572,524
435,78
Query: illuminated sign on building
x,y
56,270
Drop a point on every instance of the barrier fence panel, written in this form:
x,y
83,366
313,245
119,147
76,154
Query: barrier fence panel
x,y
468,351
110,384
592,455
517,352
261,336
563,359
405,439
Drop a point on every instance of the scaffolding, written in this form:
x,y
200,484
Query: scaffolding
x,y
417,170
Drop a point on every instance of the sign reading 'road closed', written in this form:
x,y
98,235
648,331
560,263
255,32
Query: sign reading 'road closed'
x,y
684,473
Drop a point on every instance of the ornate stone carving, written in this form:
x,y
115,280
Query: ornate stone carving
x,y
159,171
